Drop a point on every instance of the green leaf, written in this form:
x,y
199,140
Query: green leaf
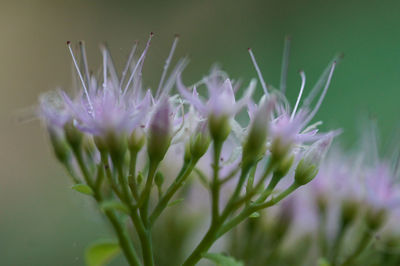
x,y
254,215
84,189
114,205
222,260
323,262
172,203
101,252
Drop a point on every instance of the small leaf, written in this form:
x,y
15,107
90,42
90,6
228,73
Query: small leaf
x,y
84,189
323,262
222,260
254,215
172,203
114,205
101,252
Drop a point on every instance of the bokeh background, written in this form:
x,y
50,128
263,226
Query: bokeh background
x,y
42,221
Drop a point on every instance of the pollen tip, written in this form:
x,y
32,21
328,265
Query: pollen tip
x,y
151,33
80,42
249,49
68,42
301,71
177,35
288,37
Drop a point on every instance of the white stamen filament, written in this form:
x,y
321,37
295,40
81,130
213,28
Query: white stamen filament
x,y
285,64
105,56
85,62
303,84
128,63
258,72
138,63
166,66
81,78
321,98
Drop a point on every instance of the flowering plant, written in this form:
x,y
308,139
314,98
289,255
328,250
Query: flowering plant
x,y
138,152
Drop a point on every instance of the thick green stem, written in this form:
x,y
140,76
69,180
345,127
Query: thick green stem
x,y
123,238
143,232
179,181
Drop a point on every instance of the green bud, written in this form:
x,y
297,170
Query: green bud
x,y
73,135
284,166
136,140
188,155
200,141
254,146
305,172
219,127
375,217
349,211
116,146
60,147
140,178
159,133
279,149
159,179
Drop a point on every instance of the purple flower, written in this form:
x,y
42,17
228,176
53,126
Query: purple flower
x,y
221,100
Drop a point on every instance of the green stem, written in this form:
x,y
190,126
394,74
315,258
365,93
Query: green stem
x,y
145,196
123,238
179,181
85,172
362,245
109,175
143,232
132,174
215,185
253,208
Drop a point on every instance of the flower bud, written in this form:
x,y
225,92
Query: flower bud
x,y
307,168
349,211
60,146
73,135
279,149
116,146
136,140
219,127
284,166
375,217
159,179
159,133
305,172
200,141
254,145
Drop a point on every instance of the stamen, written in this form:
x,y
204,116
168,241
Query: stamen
x,y
285,63
321,98
128,63
104,67
303,84
85,62
81,78
320,83
111,68
138,63
167,63
258,71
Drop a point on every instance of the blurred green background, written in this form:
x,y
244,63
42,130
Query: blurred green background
x,y
42,221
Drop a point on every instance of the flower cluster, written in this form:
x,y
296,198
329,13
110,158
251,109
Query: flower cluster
x,y
348,215
114,137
